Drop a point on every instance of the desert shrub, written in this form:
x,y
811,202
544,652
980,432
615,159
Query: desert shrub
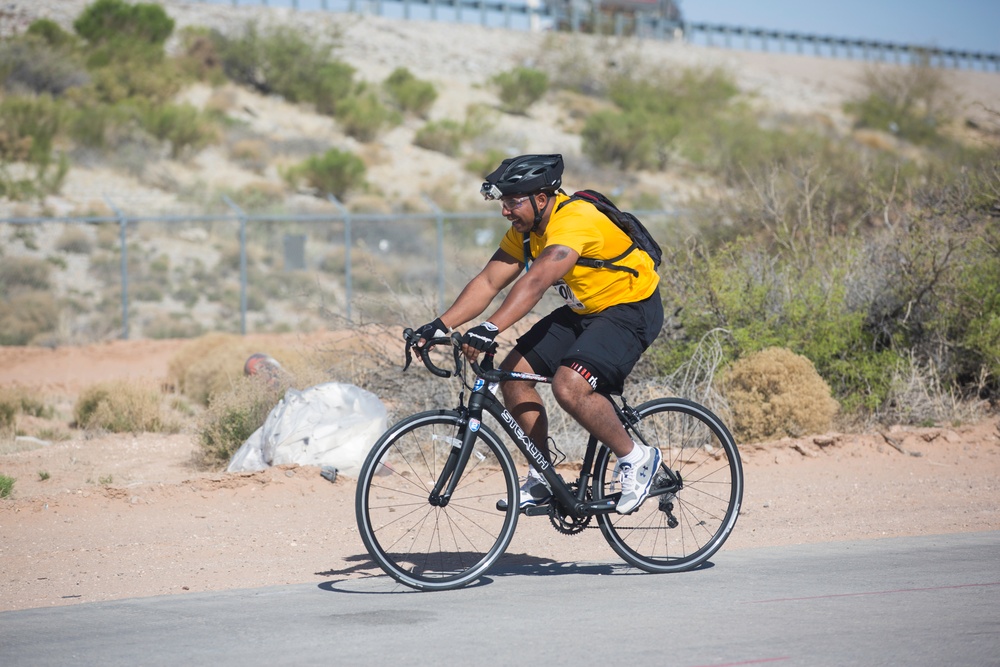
x,y
8,416
335,172
763,302
199,58
233,416
93,126
26,315
75,240
32,64
135,71
14,401
776,393
969,310
119,407
18,274
6,485
409,93
332,85
521,87
28,128
284,62
443,136
363,116
911,102
661,113
183,126
629,139
125,51
687,93
114,20
50,32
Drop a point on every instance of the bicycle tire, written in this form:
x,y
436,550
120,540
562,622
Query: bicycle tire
x,y
421,545
697,445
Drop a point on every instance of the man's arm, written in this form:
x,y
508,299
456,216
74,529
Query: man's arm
x,y
553,263
499,272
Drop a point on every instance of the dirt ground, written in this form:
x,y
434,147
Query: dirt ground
x,y
162,527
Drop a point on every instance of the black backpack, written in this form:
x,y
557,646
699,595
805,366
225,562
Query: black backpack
x,y
628,223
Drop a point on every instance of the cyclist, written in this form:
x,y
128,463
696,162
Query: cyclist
x,y
588,346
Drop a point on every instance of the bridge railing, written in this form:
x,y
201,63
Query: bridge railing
x,y
536,15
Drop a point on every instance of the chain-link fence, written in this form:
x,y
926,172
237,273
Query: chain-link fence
x,y
129,275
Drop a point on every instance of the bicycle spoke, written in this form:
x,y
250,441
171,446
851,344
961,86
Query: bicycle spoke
x,y
679,530
427,545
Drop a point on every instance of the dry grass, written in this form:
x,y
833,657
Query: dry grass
x,y
121,407
213,364
919,397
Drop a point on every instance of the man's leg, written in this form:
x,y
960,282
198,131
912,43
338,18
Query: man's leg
x,y
594,411
523,401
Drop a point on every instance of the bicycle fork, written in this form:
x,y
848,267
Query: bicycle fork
x,y
460,453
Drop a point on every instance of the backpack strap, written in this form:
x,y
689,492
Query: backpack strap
x,y
590,262
610,263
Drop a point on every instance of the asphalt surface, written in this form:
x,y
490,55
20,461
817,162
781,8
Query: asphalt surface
x,y
904,601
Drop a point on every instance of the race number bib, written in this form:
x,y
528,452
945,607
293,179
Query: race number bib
x,y
567,295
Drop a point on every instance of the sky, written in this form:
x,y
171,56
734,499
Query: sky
x,y
972,25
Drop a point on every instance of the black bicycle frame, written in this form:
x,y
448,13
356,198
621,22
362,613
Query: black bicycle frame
x,y
482,400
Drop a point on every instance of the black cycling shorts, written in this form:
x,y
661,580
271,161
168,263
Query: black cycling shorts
x,y
602,347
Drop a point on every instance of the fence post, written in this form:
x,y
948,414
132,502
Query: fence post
x,y
440,250
122,224
347,253
242,217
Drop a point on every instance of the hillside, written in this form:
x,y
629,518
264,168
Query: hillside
x,y
458,60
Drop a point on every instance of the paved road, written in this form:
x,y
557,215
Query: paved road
x,y
908,601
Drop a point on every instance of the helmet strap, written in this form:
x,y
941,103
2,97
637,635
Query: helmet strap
x,y
538,214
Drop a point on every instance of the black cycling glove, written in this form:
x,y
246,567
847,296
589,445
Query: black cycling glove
x,y
435,329
481,337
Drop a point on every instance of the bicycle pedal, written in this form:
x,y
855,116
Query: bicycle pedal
x,y
530,510
536,510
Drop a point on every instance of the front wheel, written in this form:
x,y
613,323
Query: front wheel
x,y
678,531
421,544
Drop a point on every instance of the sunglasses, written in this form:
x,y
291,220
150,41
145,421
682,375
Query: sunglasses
x,y
515,203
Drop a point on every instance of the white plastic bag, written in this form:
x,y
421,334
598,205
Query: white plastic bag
x,y
331,424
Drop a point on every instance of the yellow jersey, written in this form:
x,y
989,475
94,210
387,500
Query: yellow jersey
x,y
581,227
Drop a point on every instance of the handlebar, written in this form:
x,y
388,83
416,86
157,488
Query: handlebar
x,y
484,370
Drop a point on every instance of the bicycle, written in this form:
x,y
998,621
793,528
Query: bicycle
x,y
437,495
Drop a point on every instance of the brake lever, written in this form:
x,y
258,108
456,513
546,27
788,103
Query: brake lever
x,y
408,348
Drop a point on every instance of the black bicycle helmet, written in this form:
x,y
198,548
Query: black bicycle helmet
x,y
524,175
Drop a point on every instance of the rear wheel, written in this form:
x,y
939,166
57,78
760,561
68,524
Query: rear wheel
x,y
677,531
416,542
